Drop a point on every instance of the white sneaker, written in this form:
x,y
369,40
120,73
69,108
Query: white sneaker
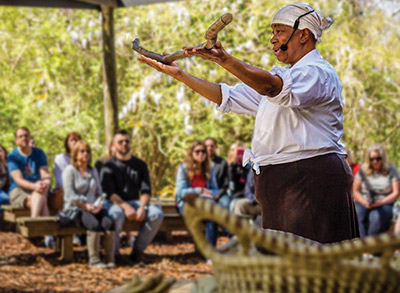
x,y
131,241
76,241
50,242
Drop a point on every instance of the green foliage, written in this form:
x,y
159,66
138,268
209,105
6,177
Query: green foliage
x,y
51,75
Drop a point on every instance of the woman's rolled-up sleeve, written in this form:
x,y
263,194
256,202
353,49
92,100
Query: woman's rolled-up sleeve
x,y
303,87
240,99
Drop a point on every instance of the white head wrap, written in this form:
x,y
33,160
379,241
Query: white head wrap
x,y
315,22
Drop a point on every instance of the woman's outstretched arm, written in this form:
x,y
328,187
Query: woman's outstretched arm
x,y
258,79
209,90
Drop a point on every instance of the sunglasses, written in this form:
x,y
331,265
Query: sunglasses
x,y
378,159
23,135
127,141
84,151
199,152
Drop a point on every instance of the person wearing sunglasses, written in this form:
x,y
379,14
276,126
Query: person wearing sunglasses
x,y
196,176
126,181
375,189
297,130
81,189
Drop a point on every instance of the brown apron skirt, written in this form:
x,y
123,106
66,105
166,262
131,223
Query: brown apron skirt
x,y
311,198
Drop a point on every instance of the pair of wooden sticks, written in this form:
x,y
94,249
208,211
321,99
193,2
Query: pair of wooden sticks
x,y
210,36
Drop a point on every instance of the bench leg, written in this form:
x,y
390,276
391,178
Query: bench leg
x,y
67,249
166,234
58,244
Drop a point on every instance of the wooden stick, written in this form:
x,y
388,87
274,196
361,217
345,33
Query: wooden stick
x,y
167,59
212,32
211,37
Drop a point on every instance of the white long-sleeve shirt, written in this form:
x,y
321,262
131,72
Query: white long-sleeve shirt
x,y
303,121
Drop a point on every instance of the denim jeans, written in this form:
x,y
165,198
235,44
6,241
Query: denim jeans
x,y
4,199
375,221
224,201
211,229
148,231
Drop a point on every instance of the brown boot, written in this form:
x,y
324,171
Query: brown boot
x,y
109,248
93,246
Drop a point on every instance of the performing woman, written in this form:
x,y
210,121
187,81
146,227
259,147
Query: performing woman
x,y
302,180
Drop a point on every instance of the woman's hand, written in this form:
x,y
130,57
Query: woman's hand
x,y
207,191
376,204
92,209
365,203
216,54
170,69
358,197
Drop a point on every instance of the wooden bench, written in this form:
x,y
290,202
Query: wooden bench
x,y
43,226
38,227
11,213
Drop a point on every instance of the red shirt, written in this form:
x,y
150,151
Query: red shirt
x,y
355,168
198,180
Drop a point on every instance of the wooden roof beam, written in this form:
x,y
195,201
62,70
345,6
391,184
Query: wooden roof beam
x,y
50,4
111,3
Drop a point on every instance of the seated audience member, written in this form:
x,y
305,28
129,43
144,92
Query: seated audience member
x,y
4,181
375,189
195,175
354,166
29,177
81,188
220,167
126,181
61,161
248,206
98,164
237,173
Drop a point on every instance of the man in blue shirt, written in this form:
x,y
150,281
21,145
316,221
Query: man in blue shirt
x,y
29,175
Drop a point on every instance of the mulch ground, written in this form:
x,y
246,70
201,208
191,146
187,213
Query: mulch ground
x,y
28,266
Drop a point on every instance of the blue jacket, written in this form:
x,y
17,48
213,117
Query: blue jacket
x,y
183,185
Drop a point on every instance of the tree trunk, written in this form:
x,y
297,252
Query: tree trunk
x,y
109,75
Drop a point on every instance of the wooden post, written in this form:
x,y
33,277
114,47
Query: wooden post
x,y
109,74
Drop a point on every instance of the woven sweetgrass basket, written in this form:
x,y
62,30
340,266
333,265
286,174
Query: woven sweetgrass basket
x,y
296,264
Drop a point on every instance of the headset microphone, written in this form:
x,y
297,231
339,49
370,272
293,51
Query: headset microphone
x,y
284,47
